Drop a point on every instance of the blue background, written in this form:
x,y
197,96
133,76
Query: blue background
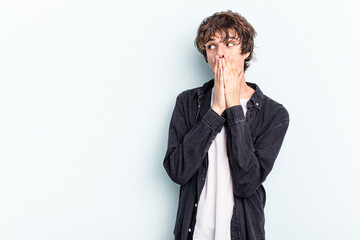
x,y
88,88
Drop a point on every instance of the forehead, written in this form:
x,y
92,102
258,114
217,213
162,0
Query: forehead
x,y
222,36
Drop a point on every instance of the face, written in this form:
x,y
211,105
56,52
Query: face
x,y
214,47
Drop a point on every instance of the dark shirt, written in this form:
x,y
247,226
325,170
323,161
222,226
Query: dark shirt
x,y
253,143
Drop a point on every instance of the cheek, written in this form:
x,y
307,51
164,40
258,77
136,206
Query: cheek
x,y
238,60
208,57
210,62
211,65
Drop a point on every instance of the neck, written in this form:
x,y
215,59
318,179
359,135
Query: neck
x,y
245,91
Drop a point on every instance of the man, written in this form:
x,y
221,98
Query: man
x,y
223,139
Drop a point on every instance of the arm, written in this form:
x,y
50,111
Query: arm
x,y
250,164
187,148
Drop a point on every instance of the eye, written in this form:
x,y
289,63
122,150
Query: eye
x,y
230,44
211,46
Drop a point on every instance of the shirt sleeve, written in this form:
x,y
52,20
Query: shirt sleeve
x,y
251,163
187,148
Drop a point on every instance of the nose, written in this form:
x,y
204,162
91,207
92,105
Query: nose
x,y
220,51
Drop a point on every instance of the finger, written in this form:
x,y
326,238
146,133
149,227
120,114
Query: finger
x,y
232,67
222,67
223,73
241,74
222,64
216,63
231,64
226,68
217,69
235,68
222,79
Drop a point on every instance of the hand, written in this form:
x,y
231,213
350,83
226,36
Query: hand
x,y
232,80
219,104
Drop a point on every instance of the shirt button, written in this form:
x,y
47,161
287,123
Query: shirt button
x,y
257,104
189,229
195,204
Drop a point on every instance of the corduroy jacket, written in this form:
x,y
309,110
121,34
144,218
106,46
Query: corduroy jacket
x,y
252,141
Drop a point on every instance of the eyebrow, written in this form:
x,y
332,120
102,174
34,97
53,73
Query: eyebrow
x,y
211,39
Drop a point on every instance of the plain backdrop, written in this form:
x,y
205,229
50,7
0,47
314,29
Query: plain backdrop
x,y
88,88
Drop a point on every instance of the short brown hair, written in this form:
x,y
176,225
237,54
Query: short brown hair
x,y
224,23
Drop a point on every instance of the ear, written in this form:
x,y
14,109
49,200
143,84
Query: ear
x,y
246,55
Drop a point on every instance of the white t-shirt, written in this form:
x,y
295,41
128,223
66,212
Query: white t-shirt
x,y
216,203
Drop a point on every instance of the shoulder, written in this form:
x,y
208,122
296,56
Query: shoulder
x,y
192,94
276,107
188,93
276,113
269,109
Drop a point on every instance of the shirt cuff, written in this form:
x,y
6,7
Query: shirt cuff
x,y
234,114
213,120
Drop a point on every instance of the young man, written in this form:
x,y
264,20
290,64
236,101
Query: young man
x,y
223,139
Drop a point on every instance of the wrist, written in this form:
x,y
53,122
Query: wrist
x,y
217,109
232,104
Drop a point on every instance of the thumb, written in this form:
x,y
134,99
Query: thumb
x,y
241,75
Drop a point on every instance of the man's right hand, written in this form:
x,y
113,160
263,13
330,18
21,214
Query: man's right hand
x,y
219,104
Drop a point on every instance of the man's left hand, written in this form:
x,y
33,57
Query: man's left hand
x,y
232,80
